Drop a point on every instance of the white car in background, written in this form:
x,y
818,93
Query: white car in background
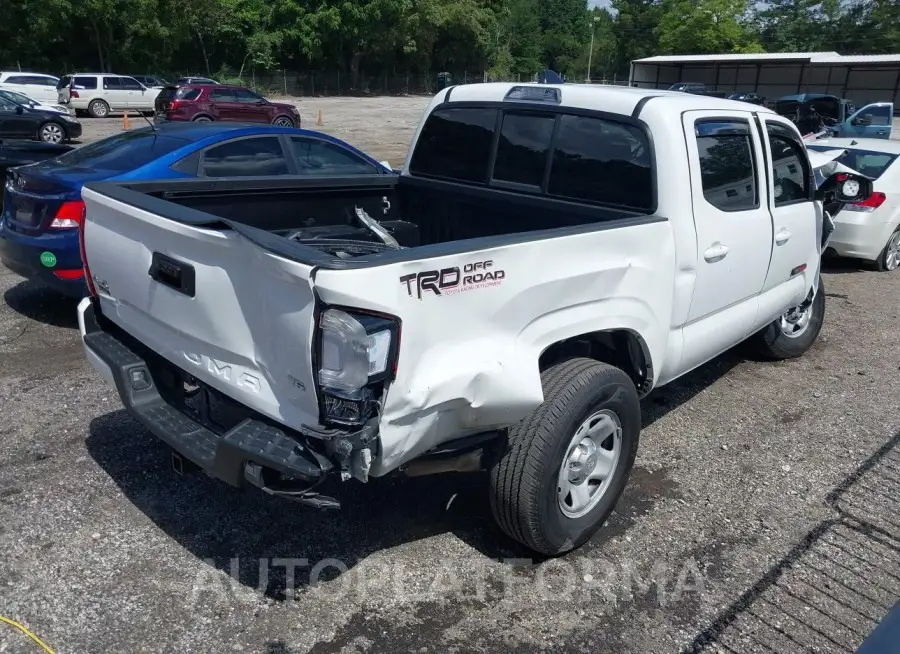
x,y
100,94
35,85
22,99
869,230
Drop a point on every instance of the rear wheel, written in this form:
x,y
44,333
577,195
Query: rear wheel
x,y
283,121
889,259
565,466
52,133
98,109
794,332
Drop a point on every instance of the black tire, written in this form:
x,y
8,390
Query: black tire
x,y
882,264
283,121
524,479
52,132
773,344
99,109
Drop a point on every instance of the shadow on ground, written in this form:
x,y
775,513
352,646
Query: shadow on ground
x,y
42,304
832,589
218,523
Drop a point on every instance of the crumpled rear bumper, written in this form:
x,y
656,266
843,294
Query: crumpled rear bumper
x,y
230,442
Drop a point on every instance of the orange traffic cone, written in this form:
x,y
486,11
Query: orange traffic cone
x,y
319,120
125,123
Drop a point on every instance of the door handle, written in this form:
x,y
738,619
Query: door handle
x,y
716,252
782,236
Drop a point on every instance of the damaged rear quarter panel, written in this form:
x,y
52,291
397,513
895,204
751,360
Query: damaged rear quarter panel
x,y
468,357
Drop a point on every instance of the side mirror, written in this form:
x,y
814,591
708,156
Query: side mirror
x,y
845,187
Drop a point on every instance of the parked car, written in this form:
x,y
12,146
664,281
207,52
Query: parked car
x,y
43,201
15,152
869,230
697,89
748,96
35,85
194,102
25,101
151,81
817,112
564,251
18,121
100,94
195,80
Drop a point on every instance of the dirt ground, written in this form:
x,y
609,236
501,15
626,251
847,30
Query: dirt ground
x,y
382,127
761,515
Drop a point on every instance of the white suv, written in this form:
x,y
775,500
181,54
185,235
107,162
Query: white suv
x,y
36,86
100,94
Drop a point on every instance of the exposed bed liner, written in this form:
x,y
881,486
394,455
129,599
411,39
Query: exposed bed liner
x,y
450,218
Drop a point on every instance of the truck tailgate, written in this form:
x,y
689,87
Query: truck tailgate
x,y
220,308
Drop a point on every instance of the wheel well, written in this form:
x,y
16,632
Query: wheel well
x,y
202,116
621,348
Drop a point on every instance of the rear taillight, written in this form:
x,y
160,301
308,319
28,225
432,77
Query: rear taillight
x,y
83,251
870,204
69,275
73,94
68,216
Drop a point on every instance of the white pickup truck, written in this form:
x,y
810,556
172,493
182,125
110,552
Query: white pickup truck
x,y
547,256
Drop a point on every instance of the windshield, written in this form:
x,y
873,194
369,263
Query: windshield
x,y
122,152
870,163
18,98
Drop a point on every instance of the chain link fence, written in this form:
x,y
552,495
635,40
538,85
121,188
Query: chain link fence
x,y
311,83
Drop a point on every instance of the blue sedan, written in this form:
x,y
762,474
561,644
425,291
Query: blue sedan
x,y
42,206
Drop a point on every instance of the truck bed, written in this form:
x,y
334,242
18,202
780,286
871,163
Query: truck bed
x,y
313,220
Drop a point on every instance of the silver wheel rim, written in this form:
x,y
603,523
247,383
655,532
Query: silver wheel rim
x,y
99,109
589,464
283,122
892,252
795,322
51,133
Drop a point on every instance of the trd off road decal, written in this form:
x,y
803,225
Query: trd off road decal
x,y
449,281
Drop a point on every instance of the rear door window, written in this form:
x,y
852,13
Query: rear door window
x,y
602,161
522,149
248,157
727,165
111,83
455,144
222,95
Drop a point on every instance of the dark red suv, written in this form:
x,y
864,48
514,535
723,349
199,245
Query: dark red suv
x,y
203,102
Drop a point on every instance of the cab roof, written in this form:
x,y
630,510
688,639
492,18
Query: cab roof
x,y
613,99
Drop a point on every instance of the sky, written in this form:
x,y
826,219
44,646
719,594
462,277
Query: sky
x,y
598,3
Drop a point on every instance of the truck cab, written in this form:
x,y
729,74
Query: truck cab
x,y
548,255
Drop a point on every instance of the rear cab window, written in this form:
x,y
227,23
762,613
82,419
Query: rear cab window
x,y
562,154
122,152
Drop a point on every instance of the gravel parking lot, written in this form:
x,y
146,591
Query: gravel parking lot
x,y
761,515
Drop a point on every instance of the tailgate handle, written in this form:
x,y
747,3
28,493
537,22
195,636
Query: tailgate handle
x,y
175,274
